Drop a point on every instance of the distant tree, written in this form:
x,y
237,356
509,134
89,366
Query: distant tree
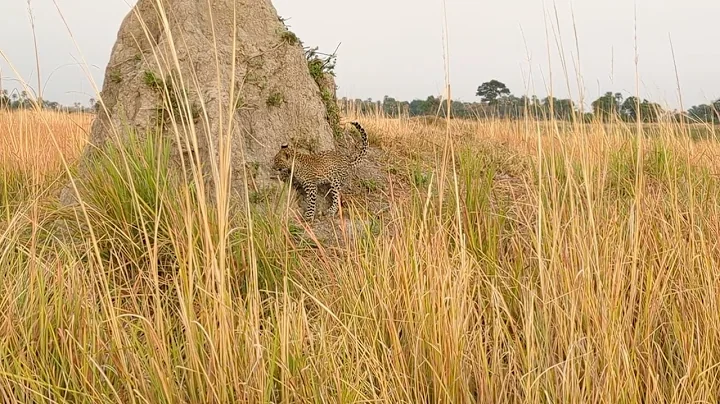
x,y
491,91
705,112
404,108
565,109
531,106
607,106
418,107
630,108
24,101
390,106
460,110
357,104
562,109
650,111
4,99
366,106
646,110
509,106
432,105
618,98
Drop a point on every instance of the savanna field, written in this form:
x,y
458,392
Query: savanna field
x,y
517,262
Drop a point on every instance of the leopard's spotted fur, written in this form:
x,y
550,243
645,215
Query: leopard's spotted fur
x,y
311,170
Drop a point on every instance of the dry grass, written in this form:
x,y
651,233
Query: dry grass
x,y
33,142
566,275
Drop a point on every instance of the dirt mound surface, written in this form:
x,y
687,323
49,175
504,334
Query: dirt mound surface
x,y
225,71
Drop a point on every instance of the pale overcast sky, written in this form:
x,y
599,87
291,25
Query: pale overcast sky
x,y
394,47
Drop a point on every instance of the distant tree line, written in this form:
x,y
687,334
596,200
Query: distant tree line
x,y
496,101
706,112
21,100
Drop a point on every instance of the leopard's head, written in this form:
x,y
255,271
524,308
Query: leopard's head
x,y
283,159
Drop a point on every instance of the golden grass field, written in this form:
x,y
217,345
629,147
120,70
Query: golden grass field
x,y
34,143
547,265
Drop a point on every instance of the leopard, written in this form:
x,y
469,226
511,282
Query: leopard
x,y
312,170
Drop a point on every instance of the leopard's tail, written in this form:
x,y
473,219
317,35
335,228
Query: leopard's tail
x,y
364,146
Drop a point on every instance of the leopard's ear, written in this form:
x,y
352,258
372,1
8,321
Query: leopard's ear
x,y
284,146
